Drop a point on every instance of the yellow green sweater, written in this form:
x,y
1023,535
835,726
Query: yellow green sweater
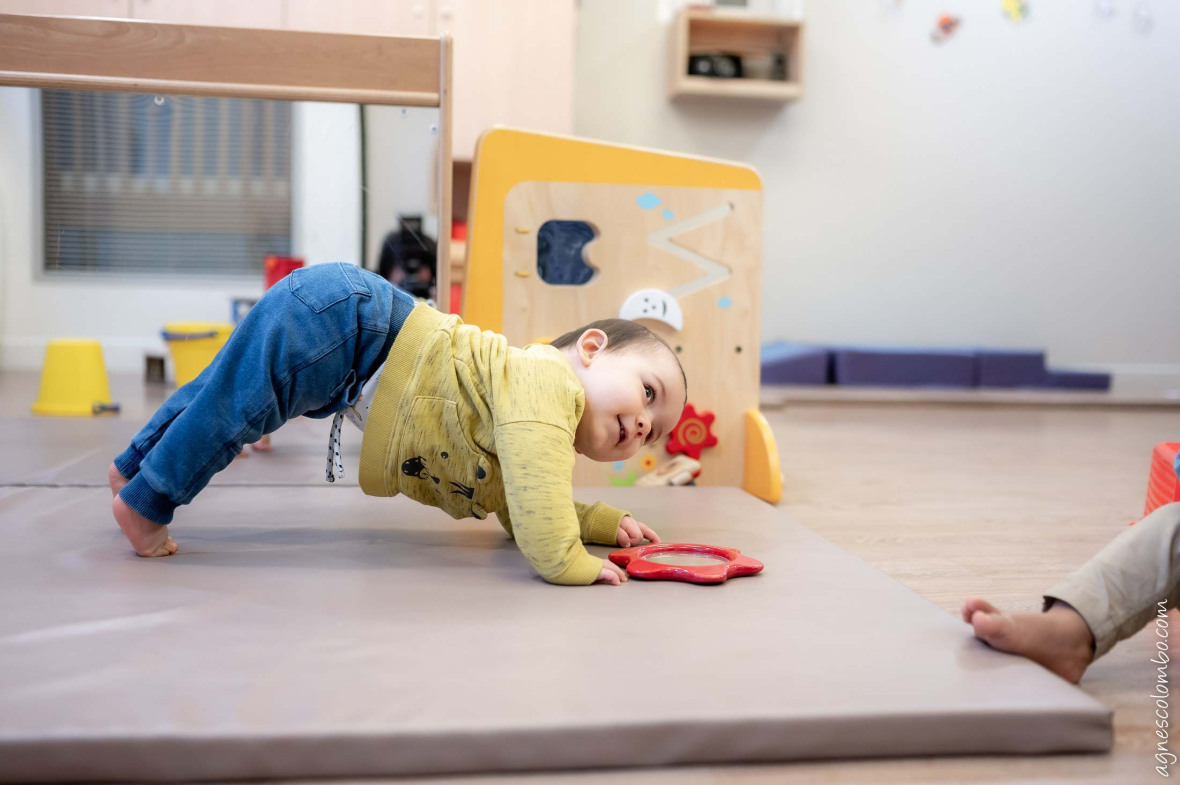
x,y
463,422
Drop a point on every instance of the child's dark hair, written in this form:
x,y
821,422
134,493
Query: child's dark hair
x,y
620,333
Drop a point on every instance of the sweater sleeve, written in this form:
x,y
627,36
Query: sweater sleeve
x,y
505,521
537,461
599,522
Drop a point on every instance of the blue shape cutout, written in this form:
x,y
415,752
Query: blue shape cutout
x,y
725,302
668,214
648,201
561,250
619,466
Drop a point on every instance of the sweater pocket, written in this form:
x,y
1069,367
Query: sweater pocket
x,y
437,463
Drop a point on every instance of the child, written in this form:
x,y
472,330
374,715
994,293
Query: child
x,y
1131,581
452,417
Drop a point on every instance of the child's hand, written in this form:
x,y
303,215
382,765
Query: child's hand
x,y
611,573
632,532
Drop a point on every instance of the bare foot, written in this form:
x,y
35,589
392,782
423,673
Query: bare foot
x,y
116,480
1059,638
263,444
146,537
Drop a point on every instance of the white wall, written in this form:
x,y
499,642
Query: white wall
x,y
402,159
326,181
1017,186
126,312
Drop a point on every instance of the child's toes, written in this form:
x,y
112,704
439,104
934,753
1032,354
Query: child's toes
x,y
993,628
152,547
974,604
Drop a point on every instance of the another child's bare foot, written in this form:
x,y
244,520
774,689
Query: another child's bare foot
x,y
116,480
1059,638
146,537
263,444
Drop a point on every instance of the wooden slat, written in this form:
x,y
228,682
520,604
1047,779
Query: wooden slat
x,y
135,56
442,267
764,89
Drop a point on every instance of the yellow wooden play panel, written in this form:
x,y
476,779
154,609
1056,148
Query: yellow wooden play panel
x,y
688,229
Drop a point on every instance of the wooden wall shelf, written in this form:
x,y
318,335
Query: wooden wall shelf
x,y
763,44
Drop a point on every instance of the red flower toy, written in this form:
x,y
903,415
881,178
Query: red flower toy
x,y
692,434
685,562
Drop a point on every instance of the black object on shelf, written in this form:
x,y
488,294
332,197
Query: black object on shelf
x,y
765,65
717,66
779,70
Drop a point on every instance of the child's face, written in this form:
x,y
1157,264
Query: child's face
x,y
634,396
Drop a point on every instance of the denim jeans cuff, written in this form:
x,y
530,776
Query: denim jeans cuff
x,y
128,462
146,501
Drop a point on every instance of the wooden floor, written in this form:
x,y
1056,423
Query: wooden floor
x,y
950,500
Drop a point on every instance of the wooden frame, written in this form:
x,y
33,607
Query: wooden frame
x,y
713,209
151,57
703,31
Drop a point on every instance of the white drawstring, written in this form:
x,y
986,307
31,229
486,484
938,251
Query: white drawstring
x,y
335,469
357,413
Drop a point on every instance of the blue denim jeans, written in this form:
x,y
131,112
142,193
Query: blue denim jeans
x,y
305,349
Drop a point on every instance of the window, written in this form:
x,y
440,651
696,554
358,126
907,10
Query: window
x,y
164,184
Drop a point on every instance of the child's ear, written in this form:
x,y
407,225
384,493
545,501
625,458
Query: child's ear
x,y
590,345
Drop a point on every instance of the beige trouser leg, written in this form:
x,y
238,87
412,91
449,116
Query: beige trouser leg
x,y
1119,590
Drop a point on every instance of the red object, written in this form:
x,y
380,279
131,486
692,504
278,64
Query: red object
x,y
692,434
1163,484
458,230
275,268
457,298
717,564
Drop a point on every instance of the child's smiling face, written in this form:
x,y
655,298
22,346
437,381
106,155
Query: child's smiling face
x,y
634,396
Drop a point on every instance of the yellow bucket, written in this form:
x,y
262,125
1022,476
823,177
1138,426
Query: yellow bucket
x,y
194,345
73,380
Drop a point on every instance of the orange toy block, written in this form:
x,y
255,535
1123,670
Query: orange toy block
x,y
1163,484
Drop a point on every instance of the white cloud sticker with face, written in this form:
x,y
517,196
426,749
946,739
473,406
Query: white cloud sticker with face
x,y
653,304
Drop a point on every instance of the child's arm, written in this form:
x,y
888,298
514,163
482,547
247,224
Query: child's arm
x,y
609,573
604,525
599,522
537,462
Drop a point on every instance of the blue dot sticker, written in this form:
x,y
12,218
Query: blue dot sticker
x,y
668,215
619,466
648,201
725,302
